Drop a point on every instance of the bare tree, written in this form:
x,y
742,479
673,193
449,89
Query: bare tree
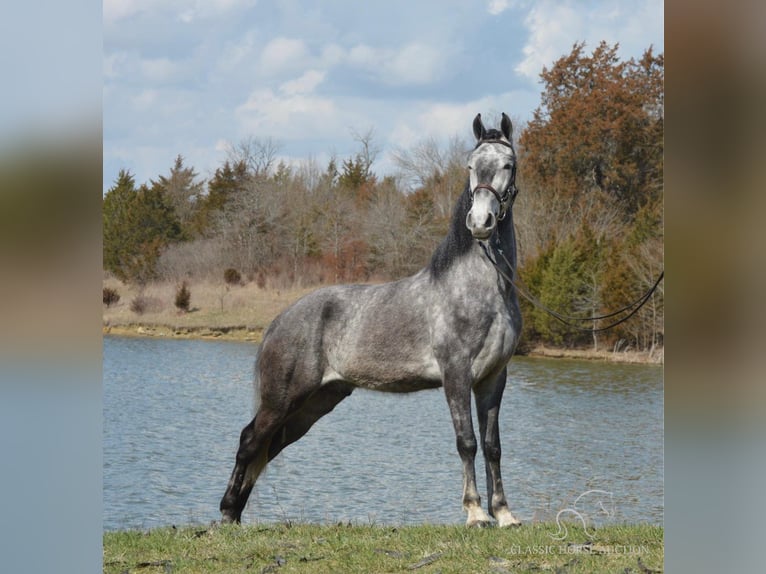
x,y
369,150
258,154
441,170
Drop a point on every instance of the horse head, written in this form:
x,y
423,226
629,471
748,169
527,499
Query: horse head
x,y
491,177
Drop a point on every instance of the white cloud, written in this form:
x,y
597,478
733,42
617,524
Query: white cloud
x,y
145,99
496,7
413,64
114,10
442,120
435,120
416,64
202,9
282,54
158,69
366,57
185,11
222,146
554,27
286,116
305,84
236,53
332,54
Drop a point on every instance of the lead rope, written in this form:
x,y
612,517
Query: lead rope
x,y
567,319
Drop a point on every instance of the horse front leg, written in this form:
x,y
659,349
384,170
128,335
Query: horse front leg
x,y
488,396
458,393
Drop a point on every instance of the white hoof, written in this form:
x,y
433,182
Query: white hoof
x,y
478,518
505,518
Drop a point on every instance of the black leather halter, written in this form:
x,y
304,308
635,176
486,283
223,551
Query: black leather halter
x,y
509,194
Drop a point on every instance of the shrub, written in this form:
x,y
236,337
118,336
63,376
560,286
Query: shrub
x,y
111,296
183,297
261,280
139,304
232,276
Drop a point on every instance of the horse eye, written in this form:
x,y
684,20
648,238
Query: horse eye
x,y
507,166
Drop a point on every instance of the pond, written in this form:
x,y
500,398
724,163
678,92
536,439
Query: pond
x,y
575,435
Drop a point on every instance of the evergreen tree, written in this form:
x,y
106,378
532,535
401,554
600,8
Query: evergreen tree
x,y
137,225
183,192
118,229
228,180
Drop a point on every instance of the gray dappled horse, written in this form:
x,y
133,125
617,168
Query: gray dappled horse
x,y
453,324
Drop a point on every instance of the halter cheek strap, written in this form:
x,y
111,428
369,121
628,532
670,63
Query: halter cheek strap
x,y
511,191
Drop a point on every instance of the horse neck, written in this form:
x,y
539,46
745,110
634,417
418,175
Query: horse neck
x,y
503,253
458,241
506,241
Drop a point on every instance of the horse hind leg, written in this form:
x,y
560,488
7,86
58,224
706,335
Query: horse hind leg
x,y
266,436
318,404
251,459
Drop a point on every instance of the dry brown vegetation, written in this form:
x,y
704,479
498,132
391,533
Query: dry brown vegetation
x,y
216,309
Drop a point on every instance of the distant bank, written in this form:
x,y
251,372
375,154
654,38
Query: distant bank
x,y
244,333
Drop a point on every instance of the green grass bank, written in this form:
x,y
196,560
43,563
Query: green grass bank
x,y
287,548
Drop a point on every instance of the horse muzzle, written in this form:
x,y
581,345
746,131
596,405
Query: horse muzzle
x,y
483,215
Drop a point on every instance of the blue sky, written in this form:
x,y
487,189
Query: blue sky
x,y
190,77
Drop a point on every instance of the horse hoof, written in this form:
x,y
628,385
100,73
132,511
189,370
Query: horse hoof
x,y
478,524
516,524
505,519
227,518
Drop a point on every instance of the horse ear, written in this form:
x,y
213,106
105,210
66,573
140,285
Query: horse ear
x,y
478,128
506,127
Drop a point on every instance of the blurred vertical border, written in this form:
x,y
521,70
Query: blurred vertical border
x,y
715,209
50,271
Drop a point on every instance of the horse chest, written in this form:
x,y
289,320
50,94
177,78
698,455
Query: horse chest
x,y
482,333
496,347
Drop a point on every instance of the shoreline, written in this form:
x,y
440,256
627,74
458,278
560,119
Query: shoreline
x,y
247,334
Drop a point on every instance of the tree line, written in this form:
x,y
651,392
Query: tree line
x,y
589,216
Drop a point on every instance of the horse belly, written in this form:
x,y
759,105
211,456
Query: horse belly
x,y
386,370
385,359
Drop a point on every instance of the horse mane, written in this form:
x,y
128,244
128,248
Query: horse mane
x,y
458,240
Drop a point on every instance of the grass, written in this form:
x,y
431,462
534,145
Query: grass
x,y
286,548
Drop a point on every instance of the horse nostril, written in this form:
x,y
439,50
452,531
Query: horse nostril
x,y
489,222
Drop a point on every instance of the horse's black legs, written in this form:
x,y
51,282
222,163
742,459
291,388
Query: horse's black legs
x,y
488,396
250,461
266,436
315,407
458,393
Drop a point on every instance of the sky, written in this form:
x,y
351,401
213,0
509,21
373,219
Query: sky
x,y
194,77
